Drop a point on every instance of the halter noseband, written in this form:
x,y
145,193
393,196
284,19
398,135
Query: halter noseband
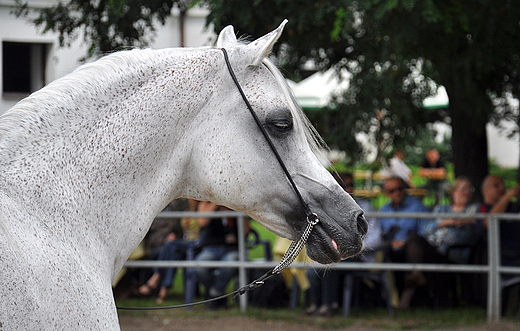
x,y
295,247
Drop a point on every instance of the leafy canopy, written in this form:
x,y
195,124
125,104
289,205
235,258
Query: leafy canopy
x,y
394,50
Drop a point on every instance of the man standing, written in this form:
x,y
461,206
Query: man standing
x,y
434,169
398,168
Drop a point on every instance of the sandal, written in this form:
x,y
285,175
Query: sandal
x,y
145,290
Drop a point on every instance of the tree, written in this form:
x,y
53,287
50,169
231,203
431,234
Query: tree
x,y
394,50
106,25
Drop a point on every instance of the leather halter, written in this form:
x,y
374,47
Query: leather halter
x,y
295,247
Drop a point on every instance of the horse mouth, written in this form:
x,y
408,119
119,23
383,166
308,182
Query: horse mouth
x,y
330,244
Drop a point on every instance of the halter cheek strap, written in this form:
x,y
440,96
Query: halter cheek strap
x,y
266,136
312,219
295,247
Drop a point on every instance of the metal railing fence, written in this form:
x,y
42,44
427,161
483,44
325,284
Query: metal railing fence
x,y
494,269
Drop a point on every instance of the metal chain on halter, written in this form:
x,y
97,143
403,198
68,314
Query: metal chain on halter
x,y
294,248
292,252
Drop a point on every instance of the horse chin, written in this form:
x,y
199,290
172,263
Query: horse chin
x,y
324,249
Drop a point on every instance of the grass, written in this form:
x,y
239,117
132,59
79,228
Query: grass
x,y
376,318
416,319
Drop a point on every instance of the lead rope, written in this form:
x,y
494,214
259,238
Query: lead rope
x,y
289,256
294,248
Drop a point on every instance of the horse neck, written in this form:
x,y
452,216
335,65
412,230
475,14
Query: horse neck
x,y
106,160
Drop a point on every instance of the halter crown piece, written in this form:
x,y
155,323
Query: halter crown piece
x,y
295,247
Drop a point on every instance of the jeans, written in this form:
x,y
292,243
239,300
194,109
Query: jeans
x,y
324,288
215,281
171,251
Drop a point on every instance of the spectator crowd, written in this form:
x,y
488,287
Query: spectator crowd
x,y
441,240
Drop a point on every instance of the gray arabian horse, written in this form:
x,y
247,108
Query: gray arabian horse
x,y
88,161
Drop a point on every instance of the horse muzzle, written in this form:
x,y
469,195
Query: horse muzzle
x,y
329,242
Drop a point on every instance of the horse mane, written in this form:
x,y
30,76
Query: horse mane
x,y
315,141
65,92
71,92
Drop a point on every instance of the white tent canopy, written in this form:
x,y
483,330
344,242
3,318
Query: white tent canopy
x,y
440,100
316,91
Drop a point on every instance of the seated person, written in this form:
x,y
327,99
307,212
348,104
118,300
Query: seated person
x,y
128,281
219,243
162,228
324,284
443,233
401,229
435,245
395,189
175,248
497,200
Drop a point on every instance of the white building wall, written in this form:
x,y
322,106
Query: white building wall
x,y
504,150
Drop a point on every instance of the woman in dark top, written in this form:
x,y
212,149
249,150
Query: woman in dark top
x,y
219,243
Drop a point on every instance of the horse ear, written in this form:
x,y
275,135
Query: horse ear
x,y
263,46
226,37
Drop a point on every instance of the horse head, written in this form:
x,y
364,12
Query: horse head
x,y
236,167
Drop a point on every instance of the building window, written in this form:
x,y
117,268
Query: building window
x,y
23,67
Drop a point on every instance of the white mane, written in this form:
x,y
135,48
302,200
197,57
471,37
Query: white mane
x,y
317,144
93,79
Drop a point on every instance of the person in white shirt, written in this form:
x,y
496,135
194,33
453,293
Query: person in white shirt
x,y
398,168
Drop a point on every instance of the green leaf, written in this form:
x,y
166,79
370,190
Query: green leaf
x,y
338,23
391,4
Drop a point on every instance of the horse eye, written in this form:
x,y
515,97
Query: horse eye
x,y
279,121
282,125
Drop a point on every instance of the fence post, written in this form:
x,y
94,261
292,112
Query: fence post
x,y
242,277
494,291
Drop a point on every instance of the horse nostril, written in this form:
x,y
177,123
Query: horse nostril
x,y
362,225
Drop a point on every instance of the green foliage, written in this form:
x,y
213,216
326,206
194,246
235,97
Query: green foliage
x,y
394,51
374,104
509,175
